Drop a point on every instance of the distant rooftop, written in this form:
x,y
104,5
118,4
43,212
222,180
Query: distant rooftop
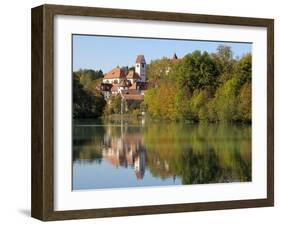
x,y
140,59
115,73
133,75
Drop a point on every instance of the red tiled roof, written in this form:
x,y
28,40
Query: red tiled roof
x,y
133,96
114,73
132,91
132,75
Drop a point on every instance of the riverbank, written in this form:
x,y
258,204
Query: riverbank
x,y
147,119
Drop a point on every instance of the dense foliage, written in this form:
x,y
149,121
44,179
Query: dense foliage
x,y
201,86
87,100
113,105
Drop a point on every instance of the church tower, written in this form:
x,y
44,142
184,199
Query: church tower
x,y
140,67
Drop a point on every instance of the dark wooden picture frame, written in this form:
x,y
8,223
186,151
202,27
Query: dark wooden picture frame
x,y
42,203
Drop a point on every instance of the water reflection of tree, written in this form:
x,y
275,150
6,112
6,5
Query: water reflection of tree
x,y
200,154
197,154
87,143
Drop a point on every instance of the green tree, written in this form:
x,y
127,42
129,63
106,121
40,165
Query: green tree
x,y
227,101
113,105
245,102
160,101
86,105
243,69
232,100
195,71
198,104
157,71
89,79
224,59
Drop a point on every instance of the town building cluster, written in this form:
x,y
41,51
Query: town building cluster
x,y
130,84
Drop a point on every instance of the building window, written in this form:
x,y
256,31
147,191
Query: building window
x,y
142,65
137,65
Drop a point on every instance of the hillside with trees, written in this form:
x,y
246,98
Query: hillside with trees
x,y
201,87
198,87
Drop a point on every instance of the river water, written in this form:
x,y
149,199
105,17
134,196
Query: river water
x,y
135,153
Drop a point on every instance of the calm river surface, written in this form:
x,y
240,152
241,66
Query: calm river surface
x,y
135,153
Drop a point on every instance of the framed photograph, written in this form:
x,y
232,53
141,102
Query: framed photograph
x,y
141,112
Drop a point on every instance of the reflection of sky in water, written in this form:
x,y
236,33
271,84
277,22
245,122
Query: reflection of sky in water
x,y
90,175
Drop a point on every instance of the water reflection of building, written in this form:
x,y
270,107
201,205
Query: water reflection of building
x,y
140,165
126,150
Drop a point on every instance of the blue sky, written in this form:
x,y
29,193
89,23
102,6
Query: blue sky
x,y
105,53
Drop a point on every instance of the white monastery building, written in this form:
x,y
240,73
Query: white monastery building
x,y
129,83
140,67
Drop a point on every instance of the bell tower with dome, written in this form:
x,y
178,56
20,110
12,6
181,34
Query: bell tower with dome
x,y
140,67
